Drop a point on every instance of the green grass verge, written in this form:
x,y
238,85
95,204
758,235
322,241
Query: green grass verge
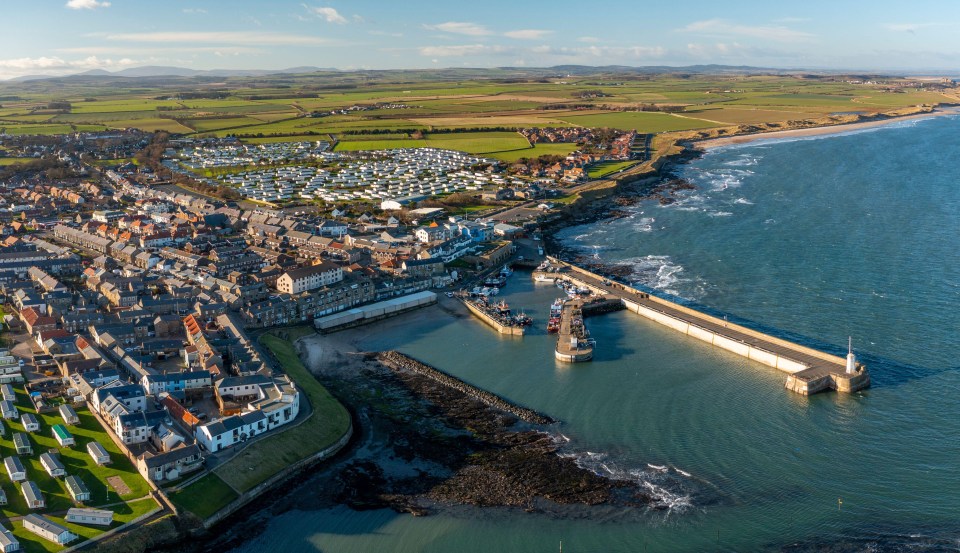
x,y
328,423
204,497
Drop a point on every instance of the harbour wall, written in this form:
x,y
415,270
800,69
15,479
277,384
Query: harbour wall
x,y
396,360
501,328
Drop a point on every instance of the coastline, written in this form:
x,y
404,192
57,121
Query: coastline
x,y
712,143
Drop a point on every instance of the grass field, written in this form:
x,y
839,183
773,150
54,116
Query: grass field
x,y
640,121
356,145
78,463
605,168
478,143
537,150
204,497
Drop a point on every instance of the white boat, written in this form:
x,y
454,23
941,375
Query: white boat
x,y
543,277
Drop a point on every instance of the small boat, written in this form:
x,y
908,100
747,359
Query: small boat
x,y
449,294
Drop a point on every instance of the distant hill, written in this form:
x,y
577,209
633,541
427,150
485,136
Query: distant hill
x,y
169,71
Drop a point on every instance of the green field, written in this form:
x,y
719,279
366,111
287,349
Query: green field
x,y
640,121
556,149
78,463
355,145
204,497
478,143
605,168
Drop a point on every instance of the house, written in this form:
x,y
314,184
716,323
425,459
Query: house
x,y
69,415
170,465
8,392
30,422
52,464
310,277
174,382
63,436
8,410
47,529
99,517
8,542
99,453
22,443
31,493
226,432
78,490
15,469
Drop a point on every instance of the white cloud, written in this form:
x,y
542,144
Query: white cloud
x,y
527,34
86,4
221,37
58,66
331,15
722,27
909,27
460,28
463,50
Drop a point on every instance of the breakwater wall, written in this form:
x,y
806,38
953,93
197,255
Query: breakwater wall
x,y
810,370
398,361
497,325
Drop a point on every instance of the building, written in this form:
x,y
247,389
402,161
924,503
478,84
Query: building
x,y
22,443
47,529
309,278
78,490
52,464
69,415
63,436
98,517
170,465
8,542
31,493
30,422
99,453
15,469
8,410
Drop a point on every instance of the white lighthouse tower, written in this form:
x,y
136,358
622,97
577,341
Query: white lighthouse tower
x,y
851,358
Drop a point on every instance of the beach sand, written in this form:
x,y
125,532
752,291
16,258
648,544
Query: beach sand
x,y
816,131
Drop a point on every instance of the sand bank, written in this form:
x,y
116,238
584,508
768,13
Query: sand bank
x,y
817,131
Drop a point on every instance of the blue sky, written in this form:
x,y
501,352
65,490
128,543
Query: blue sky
x,y
70,36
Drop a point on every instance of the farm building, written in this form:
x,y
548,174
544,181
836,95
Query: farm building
x,y
15,469
30,422
100,517
78,490
8,410
69,415
8,542
31,492
52,464
47,529
62,435
22,443
100,455
8,393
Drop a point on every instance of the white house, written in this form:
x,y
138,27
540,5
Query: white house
x,y
31,492
8,542
52,464
68,414
47,529
310,277
30,422
80,515
15,469
78,490
99,454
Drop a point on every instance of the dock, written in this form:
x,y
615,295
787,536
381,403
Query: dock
x,y
573,343
500,325
809,370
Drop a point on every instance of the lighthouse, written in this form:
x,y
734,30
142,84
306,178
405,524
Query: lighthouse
x,y
851,358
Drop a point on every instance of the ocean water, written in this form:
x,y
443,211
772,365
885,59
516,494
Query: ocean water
x,y
815,239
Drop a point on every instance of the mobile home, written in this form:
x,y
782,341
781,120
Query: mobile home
x,y
48,530
69,415
15,469
78,490
99,453
99,517
30,422
63,436
31,492
52,464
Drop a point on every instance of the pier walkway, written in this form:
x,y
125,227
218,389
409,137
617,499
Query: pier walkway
x,y
572,343
810,371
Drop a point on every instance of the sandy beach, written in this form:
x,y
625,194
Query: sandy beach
x,y
817,131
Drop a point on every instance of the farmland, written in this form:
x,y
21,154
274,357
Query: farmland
x,y
429,101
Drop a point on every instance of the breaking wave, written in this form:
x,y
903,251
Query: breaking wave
x,y
660,273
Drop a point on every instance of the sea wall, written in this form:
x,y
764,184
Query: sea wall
x,y
501,328
398,361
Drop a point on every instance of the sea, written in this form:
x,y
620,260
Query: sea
x,y
825,239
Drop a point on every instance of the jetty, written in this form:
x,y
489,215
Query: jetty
x,y
809,370
487,314
573,342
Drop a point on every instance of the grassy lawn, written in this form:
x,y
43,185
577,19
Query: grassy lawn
x,y
537,150
78,463
641,121
204,497
604,168
355,145
264,458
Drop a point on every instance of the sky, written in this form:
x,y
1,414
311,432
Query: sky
x,y
56,37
